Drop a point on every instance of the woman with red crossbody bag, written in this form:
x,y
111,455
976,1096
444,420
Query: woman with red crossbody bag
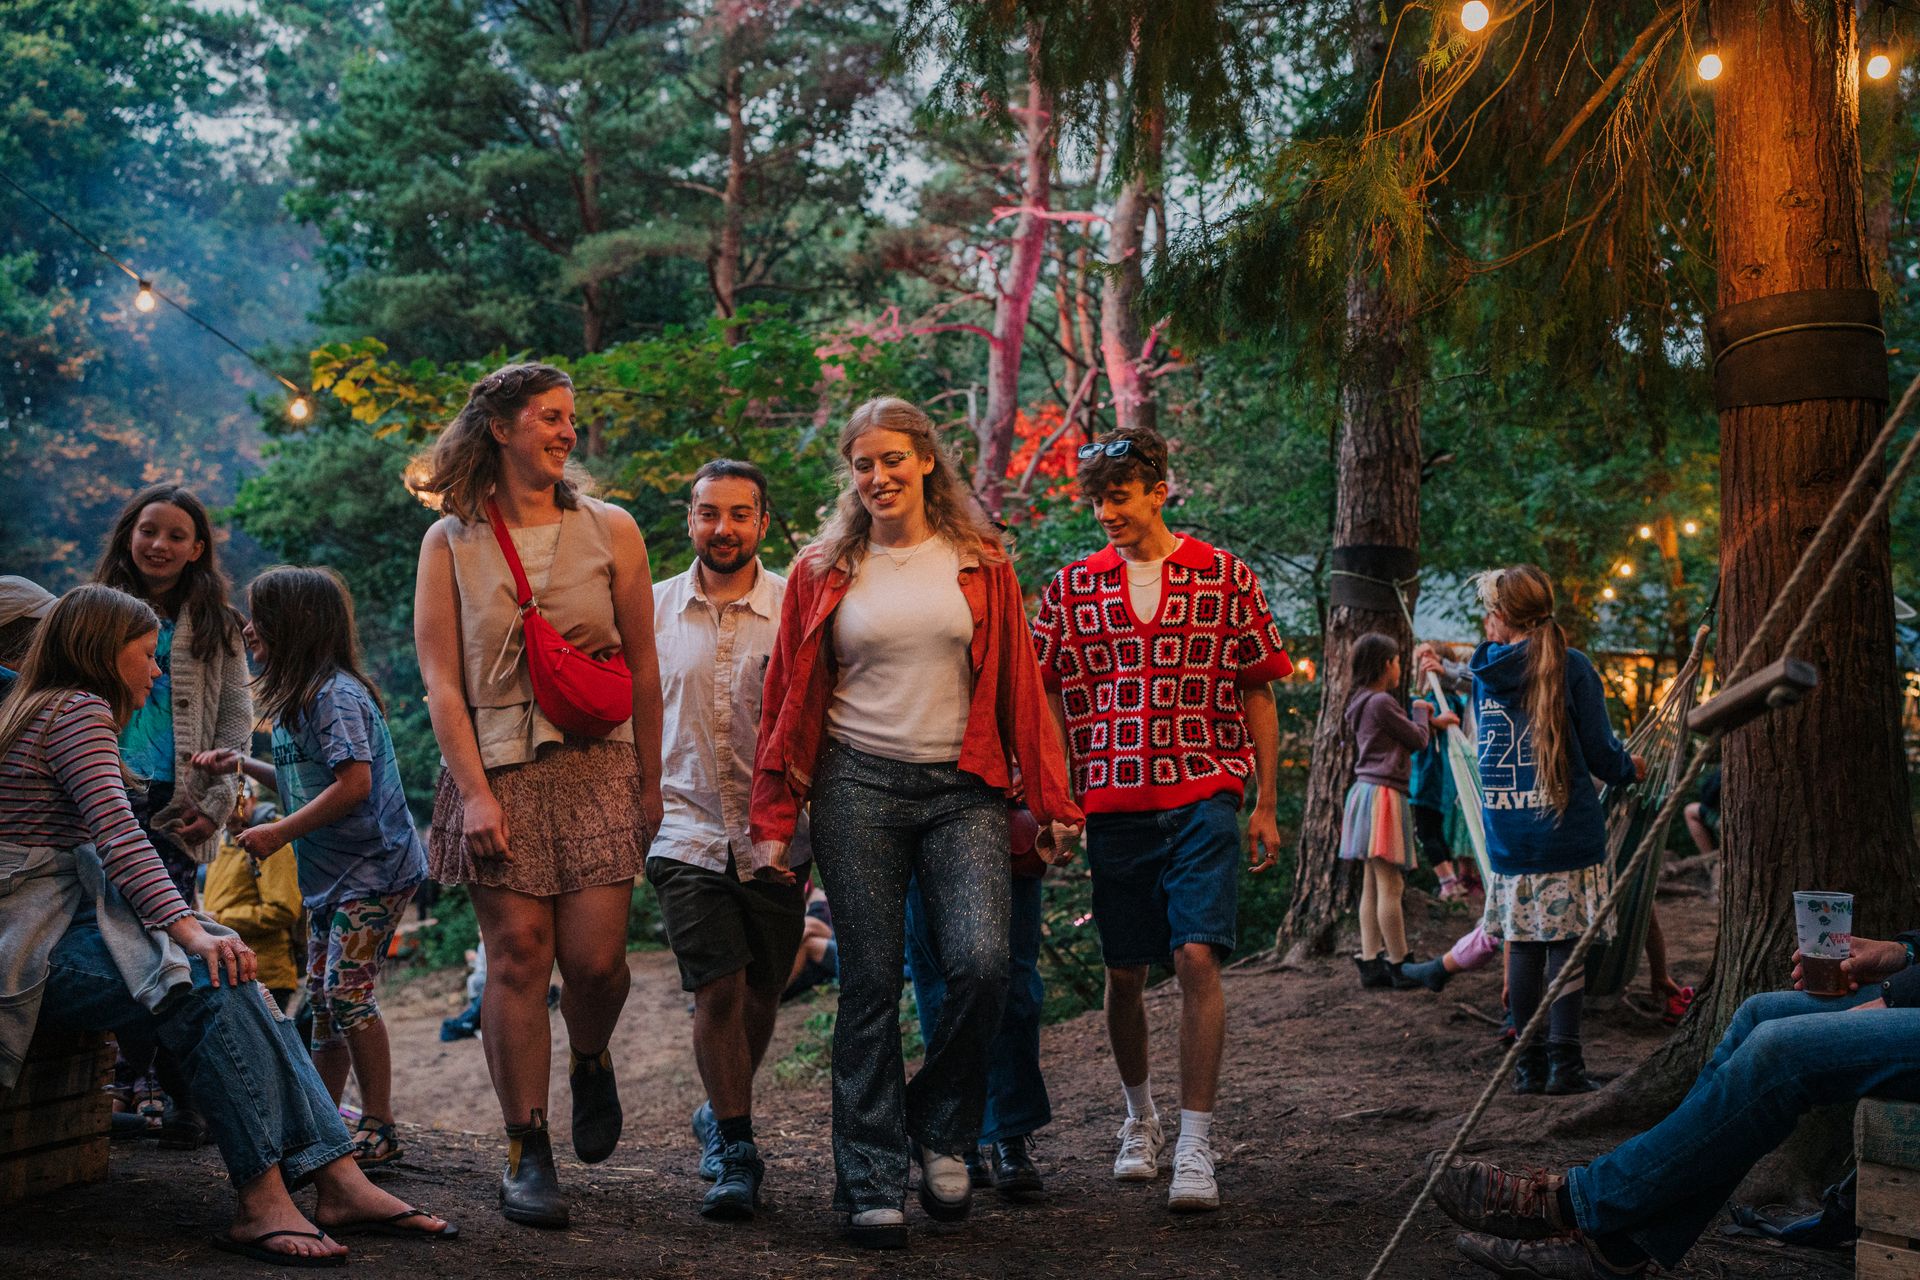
x,y
533,617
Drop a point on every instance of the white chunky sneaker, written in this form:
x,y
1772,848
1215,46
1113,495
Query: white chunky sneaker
x,y
1194,1189
878,1228
1140,1145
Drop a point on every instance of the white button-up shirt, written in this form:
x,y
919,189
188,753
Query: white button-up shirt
x,y
713,665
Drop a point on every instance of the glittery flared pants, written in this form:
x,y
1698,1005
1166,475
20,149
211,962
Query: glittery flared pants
x,y
877,824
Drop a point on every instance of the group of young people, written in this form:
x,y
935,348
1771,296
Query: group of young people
x,y
886,716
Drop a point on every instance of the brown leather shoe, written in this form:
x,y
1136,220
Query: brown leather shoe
x,y
1484,1197
1561,1258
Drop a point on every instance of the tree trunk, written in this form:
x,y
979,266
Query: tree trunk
x,y
1015,302
1122,340
728,248
1376,502
1815,795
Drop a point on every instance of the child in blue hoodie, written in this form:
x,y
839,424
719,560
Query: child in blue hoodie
x,y
1543,739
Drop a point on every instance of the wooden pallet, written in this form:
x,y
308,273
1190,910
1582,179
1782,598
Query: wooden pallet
x,y
1887,1142
55,1121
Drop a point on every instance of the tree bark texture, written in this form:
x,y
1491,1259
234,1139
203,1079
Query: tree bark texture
x,y
728,247
1376,503
1015,301
1814,795
1122,337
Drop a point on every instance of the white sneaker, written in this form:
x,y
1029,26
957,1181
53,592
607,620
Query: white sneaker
x,y
1140,1145
1194,1189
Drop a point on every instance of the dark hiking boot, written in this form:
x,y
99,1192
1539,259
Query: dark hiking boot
x,y
978,1176
1010,1167
735,1194
1431,974
1402,980
529,1188
706,1130
1571,1257
596,1106
1373,973
1484,1197
181,1128
1567,1071
1530,1073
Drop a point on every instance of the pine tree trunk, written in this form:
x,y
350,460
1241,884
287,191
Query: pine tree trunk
x,y
1015,303
729,246
1815,795
1377,503
1122,340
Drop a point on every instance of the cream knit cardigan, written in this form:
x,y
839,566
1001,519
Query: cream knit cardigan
x,y
212,708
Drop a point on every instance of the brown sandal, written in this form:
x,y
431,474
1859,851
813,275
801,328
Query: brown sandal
x,y
374,1144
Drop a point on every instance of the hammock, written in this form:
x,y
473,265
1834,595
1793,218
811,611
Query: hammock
x,y
1464,766
1632,811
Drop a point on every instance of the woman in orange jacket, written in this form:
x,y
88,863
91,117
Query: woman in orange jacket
x,y
901,700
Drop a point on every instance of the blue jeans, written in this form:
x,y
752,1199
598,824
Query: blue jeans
x,y
251,1077
1016,1091
1785,1053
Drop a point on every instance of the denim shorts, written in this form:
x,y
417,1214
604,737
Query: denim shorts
x,y
1165,878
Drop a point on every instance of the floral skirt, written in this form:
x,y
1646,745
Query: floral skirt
x,y
573,822
1548,906
1378,823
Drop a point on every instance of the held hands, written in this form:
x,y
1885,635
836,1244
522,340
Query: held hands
x,y
483,824
770,862
1054,842
221,955
1263,839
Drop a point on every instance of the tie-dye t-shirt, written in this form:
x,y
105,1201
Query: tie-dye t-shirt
x,y
147,741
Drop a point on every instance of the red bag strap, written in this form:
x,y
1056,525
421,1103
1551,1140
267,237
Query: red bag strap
x,y
505,540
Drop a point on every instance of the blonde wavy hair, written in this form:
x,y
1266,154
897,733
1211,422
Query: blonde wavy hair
x,y
951,510
1523,597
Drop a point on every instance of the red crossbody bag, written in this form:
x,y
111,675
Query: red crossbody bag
x,y
580,693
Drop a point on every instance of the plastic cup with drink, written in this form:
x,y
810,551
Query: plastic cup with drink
x,y
1825,925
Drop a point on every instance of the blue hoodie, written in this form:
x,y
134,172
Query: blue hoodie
x,y
1523,835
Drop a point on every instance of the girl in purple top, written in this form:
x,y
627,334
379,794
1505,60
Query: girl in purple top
x,y
1378,824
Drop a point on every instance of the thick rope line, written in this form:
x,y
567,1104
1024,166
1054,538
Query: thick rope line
x,y
1575,963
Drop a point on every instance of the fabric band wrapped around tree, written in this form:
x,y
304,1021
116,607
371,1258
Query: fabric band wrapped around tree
x,y
1374,578
1810,344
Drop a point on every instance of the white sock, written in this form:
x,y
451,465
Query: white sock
x,y
1139,1097
1195,1126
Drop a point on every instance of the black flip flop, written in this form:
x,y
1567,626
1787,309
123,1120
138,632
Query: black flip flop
x,y
390,1226
256,1249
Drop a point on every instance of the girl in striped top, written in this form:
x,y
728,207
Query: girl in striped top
x,y
63,784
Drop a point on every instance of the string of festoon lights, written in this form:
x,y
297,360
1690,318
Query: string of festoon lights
x,y
146,298
1476,16
1623,568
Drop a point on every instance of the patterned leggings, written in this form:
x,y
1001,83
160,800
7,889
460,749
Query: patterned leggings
x,y
345,943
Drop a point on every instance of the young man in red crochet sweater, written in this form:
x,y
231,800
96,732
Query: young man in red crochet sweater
x,y
1157,651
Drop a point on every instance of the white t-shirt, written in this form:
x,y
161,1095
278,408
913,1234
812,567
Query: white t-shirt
x,y
902,639
1144,582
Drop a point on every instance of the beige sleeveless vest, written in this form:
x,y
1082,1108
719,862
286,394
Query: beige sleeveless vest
x,y
575,594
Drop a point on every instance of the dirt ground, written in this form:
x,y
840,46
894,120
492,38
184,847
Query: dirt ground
x,y
1331,1096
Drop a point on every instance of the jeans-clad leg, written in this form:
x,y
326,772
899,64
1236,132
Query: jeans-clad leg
x,y
876,823
250,1075
1784,1054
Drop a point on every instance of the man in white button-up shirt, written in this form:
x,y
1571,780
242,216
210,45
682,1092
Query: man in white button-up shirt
x,y
734,937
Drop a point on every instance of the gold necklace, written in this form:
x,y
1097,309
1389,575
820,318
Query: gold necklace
x,y
898,562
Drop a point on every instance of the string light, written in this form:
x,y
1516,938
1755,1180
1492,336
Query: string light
x,y
1690,528
1646,533
1624,568
1474,15
1879,66
148,298
1710,66
1607,593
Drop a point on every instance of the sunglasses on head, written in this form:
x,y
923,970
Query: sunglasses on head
x,y
1115,449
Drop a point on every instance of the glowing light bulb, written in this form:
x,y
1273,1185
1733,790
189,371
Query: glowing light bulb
x,y
1879,66
1646,532
1624,569
1710,65
1474,15
144,300
299,410
1690,527
1606,593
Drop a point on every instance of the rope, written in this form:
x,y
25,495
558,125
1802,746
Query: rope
x,y
1856,326
1575,963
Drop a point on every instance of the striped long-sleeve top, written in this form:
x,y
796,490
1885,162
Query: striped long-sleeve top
x,y
61,786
